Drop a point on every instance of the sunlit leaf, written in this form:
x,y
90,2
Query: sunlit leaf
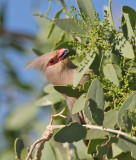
x,y
86,7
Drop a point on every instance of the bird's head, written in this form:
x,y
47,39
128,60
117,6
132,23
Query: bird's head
x,y
54,64
58,56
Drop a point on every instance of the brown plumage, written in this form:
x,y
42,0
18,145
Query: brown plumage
x,y
59,70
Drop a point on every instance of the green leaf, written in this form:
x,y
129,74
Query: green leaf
x,y
129,27
49,88
95,134
115,58
93,143
116,150
110,74
129,15
127,123
48,44
118,71
86,7
69,91
123,46
81,150
21,117
70,133
125,156
48,152
37,52
86,85
110,119
52,24
127,145
68,25
96,101
50,99
110,15
133,117
87,111
18,147
59,155
103,149
86,63
129,103
79,104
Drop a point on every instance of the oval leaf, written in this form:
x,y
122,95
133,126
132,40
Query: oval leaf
x,y
95,134
71,133
130,103
69,91
68,25
95,98
83,68
110,74
79,104
86,7
110,119
18,147
124,47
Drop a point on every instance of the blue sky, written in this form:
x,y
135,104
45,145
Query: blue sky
x,y
20,12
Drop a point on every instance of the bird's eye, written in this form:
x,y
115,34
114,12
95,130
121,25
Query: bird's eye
x,y
52,61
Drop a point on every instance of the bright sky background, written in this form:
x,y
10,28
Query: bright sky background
x,y
20,18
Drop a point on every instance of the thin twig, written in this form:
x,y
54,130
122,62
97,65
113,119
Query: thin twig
x,y
46,136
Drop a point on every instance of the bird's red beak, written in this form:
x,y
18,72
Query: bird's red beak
x,y
62,53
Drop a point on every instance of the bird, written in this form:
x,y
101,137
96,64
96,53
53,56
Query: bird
x,y
59,70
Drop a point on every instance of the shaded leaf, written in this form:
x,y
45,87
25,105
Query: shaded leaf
x,y
70,133
69,91
132,14
129,16
127,123
124,47
93,143
104,149
18,147
125,156
118,71
129,27
96,101
86,86
87,111
129,103
127,145
37,52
